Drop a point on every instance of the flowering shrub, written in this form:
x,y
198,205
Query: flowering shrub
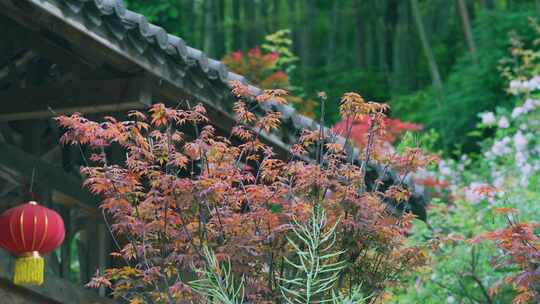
x,y
176,190
481,256
261,68
506,175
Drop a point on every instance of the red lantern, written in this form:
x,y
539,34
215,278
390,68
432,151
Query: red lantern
x,y
29,231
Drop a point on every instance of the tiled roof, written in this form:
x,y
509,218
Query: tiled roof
x,y
136,34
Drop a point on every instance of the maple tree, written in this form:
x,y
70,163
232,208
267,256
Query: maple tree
x,y
520,248
181,188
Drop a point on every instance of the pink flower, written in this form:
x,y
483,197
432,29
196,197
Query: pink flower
x,y
255,52
272,57
237,56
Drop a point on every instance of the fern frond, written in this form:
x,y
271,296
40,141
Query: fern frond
x,y
316,265
216,283
355,297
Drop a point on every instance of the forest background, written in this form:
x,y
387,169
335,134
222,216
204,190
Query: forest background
x,y
435,61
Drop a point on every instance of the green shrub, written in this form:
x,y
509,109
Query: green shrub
x,y
471,87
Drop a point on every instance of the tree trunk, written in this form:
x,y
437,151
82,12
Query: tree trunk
x,y
466,26
488,4
276,12
220,28
293,25
359,32
307,30
369,45
433,68
237,27
390,21
381,43
332,35
400,81
209,28
471,11
263,23
191,16
250,23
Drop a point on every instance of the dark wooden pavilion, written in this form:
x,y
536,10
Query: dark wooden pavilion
x,y
94,57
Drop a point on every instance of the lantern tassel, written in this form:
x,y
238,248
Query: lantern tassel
x,y
29,270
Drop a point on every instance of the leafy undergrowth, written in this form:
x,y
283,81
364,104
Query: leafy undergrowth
x,y
485,233
471,86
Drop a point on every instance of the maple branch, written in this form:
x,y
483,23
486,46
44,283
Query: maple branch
x,y
321,130
369,145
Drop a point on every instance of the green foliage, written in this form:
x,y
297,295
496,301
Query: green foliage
x,y
471,86
281,43
216,283
315,270
164,13
355,296
426,141
478,255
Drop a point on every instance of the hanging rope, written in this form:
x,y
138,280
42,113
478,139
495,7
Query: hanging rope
x,y
32,196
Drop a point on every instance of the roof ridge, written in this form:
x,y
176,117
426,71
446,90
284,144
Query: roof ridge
x,y
175,46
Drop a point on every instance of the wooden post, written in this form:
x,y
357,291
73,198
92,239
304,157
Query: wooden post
x,y
88,250
104,243
65,264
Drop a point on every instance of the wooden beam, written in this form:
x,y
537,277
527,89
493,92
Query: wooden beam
x,y
85,97
70,202
24,59
30,38
47,174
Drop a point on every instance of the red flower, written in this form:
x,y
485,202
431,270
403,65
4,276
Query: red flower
x,y
237,56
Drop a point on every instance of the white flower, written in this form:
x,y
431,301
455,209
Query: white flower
x,y
501,147
520,141
476,192
472,195
450,300
498,182
488,118
517,111
530,104
533,84
521,158
526,170
515,86
503,123
444,168
446,171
